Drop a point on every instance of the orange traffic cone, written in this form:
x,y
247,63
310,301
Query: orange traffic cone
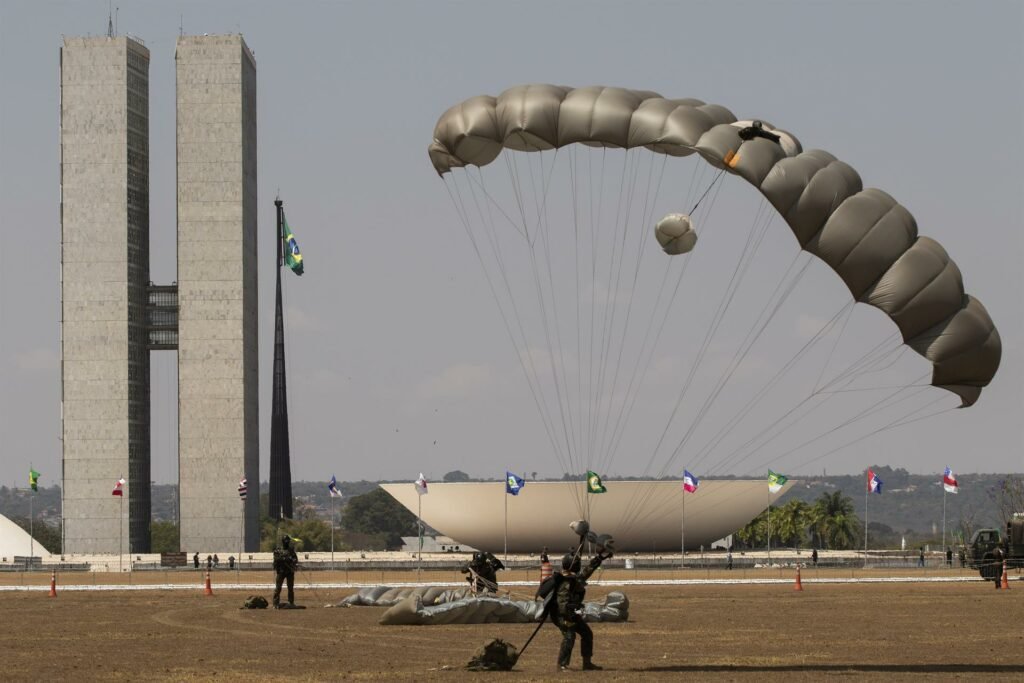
x,y
53,584
798,586
209,589
1006,582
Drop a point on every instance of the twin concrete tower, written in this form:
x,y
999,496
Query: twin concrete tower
x,y
113,316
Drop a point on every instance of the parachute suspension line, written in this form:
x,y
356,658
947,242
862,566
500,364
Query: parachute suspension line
x,y
885,404
625,408
527,365
608,316
708,189
544,312
603,454
731,459
828,361
573,177
643,493
787,285
664,317
719,315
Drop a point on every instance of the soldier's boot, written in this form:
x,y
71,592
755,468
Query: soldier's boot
x,y
588,665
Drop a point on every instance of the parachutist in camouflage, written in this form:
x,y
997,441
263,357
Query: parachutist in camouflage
x,y
569,595
483,572
285,564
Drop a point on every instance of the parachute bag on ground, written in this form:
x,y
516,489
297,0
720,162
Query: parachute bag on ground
x,y
497,655
255,602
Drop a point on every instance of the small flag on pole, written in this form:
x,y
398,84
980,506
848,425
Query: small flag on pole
x,y
690,482
776,481
332,488
949,481
513,484
594,484
119,487
874,483
33,479
243,488
421,485
292,257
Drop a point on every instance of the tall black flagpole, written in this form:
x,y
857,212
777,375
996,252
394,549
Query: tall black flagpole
x,y
280,458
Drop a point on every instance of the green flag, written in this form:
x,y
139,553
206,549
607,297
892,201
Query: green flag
x,y
292,257
776,481
594,484
33,479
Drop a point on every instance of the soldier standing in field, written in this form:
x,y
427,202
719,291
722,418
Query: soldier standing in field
x,y
572,588
285,564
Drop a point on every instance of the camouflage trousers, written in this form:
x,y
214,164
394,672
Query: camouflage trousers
x,y
281,578
569,630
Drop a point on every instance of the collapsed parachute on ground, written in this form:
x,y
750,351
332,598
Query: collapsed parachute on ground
x,y
864,235
431,606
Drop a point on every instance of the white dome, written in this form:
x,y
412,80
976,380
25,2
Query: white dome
x,y
15,541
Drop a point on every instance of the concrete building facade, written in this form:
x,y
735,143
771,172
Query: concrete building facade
x,y
104,210
112,316
218,382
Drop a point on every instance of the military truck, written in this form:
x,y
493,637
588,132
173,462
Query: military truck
x,y
981,551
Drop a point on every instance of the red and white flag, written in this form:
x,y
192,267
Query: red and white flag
x,y
119,487
243,488
949,482
421,485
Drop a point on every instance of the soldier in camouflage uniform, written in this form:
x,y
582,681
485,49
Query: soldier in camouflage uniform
x,y
569,617
483,572
285,564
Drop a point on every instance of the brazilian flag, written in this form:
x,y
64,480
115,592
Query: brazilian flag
x,y
594,484
33,479
292,257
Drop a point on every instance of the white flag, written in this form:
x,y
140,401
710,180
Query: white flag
x,y
421,485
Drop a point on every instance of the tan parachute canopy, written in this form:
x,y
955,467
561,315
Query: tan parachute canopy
x,y
864,235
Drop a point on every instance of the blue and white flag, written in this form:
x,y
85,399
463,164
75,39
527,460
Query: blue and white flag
x,y
513,484
332,488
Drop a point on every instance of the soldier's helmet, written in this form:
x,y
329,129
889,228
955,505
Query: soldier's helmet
x,y
478,557
571,562
286,541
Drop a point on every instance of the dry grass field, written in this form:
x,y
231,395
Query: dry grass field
x,y
935,631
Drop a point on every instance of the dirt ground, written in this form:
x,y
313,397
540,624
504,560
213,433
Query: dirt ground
x,y
936,631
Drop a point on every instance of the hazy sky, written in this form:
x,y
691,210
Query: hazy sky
x,y
398,362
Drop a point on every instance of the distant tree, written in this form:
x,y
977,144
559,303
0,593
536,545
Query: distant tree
x,y
46,534
164,537
1008,495
838,524
376,513
456,475
792,521
311,535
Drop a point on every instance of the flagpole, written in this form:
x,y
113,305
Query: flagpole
x,y
332,533
31,534
943,516
867,489
506,521
682,538
769,527
419,531
120,539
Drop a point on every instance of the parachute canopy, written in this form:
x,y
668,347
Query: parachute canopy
x,y
864,235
